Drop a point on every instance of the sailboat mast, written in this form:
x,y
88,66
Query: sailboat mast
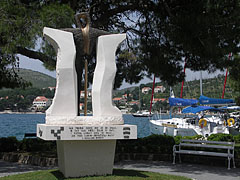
x,y
229,56
201,83
184,70
172,96
152,94
139,99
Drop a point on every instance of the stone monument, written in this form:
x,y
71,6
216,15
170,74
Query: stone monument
x,y
85,144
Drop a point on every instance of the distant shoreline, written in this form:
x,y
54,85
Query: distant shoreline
x,y
10,112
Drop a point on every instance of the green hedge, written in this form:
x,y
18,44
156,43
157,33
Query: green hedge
x,y
157,144
237,138
9,144
151,144
36,145
221,137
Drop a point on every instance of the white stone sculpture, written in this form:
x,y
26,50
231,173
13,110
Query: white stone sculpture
x,y
104,76
64,107
85,144
65,99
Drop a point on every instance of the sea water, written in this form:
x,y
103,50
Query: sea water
x,y
19,124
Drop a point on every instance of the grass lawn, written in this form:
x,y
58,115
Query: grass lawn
x,y
118,174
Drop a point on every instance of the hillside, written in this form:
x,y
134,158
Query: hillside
x,y
38,80
212,87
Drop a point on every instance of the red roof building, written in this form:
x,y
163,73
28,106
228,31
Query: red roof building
x,y
145,90
158,100
41,101
158,89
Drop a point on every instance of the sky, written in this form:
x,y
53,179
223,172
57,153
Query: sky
x,y
37,65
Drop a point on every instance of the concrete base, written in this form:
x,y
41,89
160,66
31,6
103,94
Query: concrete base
x,y
86,158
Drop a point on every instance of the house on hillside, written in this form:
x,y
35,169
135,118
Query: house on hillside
x,y
40,102
134,103
127,95
158,100
119,100
159,89
145,90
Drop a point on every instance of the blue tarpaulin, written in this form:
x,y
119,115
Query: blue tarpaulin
x,y
196,109
207,100
182,102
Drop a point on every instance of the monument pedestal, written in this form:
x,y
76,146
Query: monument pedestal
x,y
86,150
84,158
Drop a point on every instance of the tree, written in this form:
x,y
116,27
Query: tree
x,y
23,105
21,24
202,31
163,105
160,34
135,108
21,28
136,93
234,80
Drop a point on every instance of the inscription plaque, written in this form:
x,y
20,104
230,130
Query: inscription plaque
x,y
85,132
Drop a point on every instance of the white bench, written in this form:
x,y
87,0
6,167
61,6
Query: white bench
x,y
196,145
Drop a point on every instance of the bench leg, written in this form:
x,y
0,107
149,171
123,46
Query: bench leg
x,y
229,163
174,158
233,163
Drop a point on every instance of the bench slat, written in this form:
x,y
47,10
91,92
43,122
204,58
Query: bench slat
x,y
210,142
204,153
207,146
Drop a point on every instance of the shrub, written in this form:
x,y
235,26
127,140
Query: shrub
x,y
221,137
8,144
237,138
177,139
151,144
37,145
159,143
196,137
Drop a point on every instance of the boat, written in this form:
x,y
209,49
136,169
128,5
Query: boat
x,y
142,114
189,125
231,120
235,114
204,100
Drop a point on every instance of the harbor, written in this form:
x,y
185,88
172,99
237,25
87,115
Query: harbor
x,y
19,124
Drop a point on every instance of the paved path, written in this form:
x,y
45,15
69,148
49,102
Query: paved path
x,y
194,171
9,168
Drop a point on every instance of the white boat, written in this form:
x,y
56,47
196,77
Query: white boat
x,y
231,120
189,126
142,114
235,114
